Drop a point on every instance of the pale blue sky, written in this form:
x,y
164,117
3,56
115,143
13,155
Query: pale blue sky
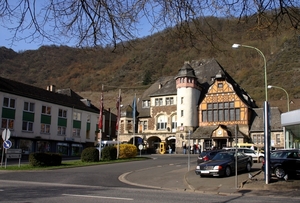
x,y
28,44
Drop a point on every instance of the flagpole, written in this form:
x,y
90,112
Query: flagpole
x,y
134,115
118,122
101,123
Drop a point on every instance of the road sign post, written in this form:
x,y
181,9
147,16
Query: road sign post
x,y
5,137
13,154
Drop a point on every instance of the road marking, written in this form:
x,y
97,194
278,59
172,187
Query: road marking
x,y
99,197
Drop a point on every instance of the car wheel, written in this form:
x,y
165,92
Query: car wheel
x,y
279,172
248,167
261,159
227,171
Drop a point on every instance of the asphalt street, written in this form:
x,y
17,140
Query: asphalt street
x,y
164,178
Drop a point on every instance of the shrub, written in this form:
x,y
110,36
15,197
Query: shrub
x,y
109,153
90,154
127,151
45,159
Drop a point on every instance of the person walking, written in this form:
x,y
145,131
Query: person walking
x,y
184,149
170,149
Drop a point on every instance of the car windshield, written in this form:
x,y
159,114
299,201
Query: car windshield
x,y
223,156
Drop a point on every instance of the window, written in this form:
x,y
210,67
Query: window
x,y
161,122
258,138
61,130
87,134
45,128
221,112
254,139
278,139
88,119
8,102
158,102
27,126
181,100
76,116
146,104
76,132
169,101
7,123
174,123
145,125
62,113
220,85
28,106
46,110
181,113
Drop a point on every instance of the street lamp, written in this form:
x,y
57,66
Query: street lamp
x,y
266,114
287,95
265,63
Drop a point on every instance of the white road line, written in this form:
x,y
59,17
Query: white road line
x,y
99,197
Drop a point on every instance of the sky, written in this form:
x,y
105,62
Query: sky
x,y
23,45
18,45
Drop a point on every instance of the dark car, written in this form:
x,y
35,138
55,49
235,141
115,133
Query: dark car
x,y
223,164
207,155
284,161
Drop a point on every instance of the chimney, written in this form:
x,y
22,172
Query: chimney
x,y
51,88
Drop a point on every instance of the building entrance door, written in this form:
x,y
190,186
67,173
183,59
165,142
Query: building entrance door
x,y
221,143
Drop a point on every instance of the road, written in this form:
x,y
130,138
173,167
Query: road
x,y
101,184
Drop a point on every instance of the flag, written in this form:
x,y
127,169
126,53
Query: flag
x,y
118,105
134,114
100,124
134,108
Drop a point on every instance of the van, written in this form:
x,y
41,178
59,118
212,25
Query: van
x,y
246,145
106,143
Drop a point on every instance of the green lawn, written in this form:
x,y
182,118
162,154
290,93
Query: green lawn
x,y
66,164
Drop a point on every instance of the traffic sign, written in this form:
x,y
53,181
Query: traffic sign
x,y
141,147
14,151
7,144
5,134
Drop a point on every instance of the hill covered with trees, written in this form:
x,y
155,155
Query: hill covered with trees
x,y
134,67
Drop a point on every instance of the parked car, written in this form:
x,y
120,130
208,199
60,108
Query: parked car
x,y
255,155
223,164
284,161
207,155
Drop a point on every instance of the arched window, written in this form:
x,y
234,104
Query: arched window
x,y
161,122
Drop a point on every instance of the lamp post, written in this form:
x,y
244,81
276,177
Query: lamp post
x,y
265,63
287,95
265,113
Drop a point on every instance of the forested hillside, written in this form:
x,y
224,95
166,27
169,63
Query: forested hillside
x,y
134,68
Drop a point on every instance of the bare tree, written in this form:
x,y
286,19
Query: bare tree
x,y
109,22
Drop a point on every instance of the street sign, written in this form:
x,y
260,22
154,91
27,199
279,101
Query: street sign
x,y
14,156
7,144
14,151
141,147
5,134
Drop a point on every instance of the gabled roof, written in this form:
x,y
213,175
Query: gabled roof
x,y
66,97
205,132
258,120
154,90
206,71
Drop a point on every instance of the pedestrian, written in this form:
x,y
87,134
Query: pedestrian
x,y
184,149
195,148
170,149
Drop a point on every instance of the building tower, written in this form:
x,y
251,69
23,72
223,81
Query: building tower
x,y
188,93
